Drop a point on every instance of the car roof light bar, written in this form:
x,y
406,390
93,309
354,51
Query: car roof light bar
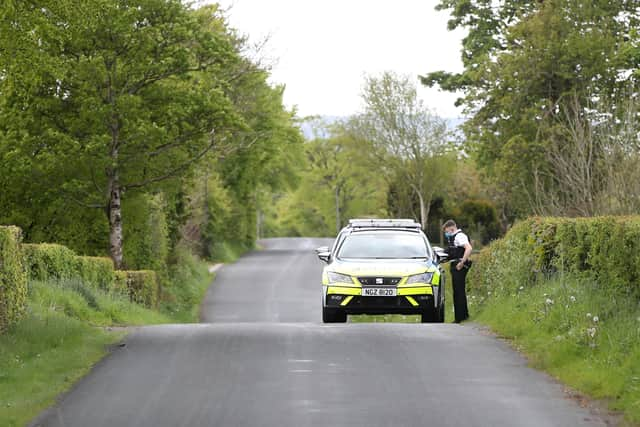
x,y
383,223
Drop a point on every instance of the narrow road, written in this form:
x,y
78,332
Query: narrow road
x,y
264,359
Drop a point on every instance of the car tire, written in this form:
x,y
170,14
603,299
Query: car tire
x,y
430,316
333,315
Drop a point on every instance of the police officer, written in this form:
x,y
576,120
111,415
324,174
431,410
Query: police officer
x,y
458,251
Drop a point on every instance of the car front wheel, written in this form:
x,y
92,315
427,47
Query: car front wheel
x,y
430,316
333,315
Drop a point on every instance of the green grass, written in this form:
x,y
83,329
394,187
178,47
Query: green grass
x,y
586,334
43,355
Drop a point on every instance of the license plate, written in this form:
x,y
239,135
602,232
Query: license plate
x,y
379,292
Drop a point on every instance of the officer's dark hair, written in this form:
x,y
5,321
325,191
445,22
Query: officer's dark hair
x,y
449,223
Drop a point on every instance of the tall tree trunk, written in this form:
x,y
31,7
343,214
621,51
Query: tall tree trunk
x,y
115,221
424,209
338,219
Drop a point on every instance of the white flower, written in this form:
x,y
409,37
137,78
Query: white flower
x,y
572,298
595,319
521,287
489,293
589,315
549,301
591,332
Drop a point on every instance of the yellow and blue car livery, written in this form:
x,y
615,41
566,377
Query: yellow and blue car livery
x,y
417,287
382,267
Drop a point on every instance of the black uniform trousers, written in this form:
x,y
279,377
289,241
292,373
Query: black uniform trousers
x,y
459,278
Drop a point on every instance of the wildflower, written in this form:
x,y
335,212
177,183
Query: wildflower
x,y
572,298
589,315
549,301
521,287
591,332
595,319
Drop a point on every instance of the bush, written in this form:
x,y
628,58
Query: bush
x,y
13,280
96,271
605,248
143,287
49,261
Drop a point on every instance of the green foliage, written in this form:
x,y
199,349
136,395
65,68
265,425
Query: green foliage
x,y
141,99
95,271
190,279
13,280
143,287
52,262
147,233
343,185
523,64
604,248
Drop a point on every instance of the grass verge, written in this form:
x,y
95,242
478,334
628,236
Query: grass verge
x,y
58,341
65,333
584,333
43,355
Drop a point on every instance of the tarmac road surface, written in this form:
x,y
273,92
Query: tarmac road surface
x,y
263,358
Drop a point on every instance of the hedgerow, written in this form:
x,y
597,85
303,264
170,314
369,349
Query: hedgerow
x,y
604,248
13,280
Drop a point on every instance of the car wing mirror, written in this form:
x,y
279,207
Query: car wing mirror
x,y
324,256
322,249
440,253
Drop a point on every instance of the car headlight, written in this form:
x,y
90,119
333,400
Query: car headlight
x,y
338,277
420,278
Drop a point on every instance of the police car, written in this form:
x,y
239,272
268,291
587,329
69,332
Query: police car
x,y
382,266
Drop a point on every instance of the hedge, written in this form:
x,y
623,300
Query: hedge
x,y
604,248
96,271
48,261
13,280
143,287
54,262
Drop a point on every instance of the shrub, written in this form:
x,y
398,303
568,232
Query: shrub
x,y
604,248
13,280
143,287
46,262
96,271
49,261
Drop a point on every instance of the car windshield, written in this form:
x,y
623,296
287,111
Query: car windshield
x,y
384,245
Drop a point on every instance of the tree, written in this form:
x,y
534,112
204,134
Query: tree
x,y
406,139
127,95
524,62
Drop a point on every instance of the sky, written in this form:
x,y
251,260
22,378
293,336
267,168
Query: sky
x,y
322,49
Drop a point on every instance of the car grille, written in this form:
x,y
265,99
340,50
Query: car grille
x,y
379,302
374,281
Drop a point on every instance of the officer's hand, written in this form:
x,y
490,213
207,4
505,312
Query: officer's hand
x,y
459,266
